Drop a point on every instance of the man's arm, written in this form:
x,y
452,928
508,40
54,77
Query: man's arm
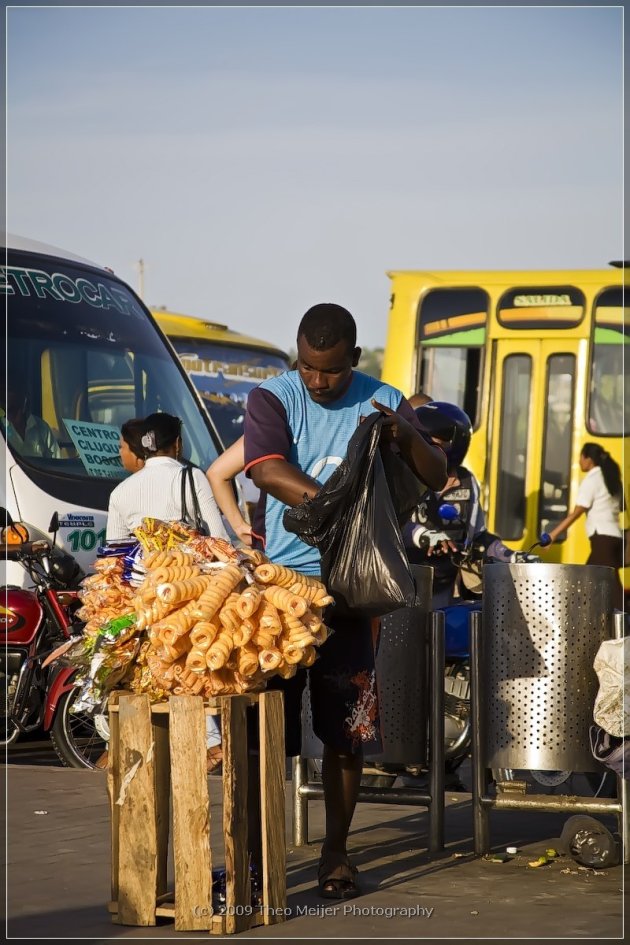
x,y
267,450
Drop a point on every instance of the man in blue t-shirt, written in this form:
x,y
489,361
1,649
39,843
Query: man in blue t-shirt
x,y
297,429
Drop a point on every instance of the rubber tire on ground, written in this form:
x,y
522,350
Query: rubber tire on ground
x,y
69,752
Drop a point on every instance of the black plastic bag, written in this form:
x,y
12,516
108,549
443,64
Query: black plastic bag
x,y
354,521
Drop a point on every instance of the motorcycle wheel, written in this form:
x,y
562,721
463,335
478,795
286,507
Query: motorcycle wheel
x,y
75,736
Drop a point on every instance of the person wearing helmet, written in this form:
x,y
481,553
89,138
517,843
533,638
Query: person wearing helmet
x,y
429,538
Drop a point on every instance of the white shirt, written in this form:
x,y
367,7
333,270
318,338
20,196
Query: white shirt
x,y
602,517
155,491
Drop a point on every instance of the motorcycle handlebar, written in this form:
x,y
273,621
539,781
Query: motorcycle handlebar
x,y
26,549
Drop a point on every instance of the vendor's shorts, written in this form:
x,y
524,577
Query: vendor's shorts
x,y
342,689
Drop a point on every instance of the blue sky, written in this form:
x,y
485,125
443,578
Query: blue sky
x,y
263,159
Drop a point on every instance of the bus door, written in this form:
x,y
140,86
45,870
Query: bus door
x,y
530,437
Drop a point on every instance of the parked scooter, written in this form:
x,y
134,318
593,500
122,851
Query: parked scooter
x,y
34,623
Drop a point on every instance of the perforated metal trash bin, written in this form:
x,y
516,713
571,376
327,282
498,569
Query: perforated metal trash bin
x,y
402,676
542,625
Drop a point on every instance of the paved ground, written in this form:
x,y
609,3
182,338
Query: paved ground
x,y
58,874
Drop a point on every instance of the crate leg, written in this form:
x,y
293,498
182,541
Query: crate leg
x,y
113,789
234,736
162,766
191,815
272,806
137,816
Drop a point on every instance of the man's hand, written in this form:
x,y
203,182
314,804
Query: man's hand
x,y
395,428
427,461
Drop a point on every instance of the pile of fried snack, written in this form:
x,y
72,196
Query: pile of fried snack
x,y
191,614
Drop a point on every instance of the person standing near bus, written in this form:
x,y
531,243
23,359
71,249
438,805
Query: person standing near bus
x,y
600,497
155,489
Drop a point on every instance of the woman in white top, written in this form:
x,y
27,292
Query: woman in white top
x,y
149,449
600,496
155,488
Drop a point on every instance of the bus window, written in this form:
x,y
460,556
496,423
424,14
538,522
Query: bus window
x,y
452,333
85,350
548,307
609,382
514,434
224,375
556,458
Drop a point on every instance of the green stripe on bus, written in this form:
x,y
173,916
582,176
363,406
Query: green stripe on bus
x,y
458,339
610,336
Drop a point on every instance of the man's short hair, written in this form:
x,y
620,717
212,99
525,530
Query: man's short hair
x,y
326,324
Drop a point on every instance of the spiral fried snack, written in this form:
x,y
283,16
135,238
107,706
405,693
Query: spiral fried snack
x,y
247,660
157,559
311,621
309,656
255,556
286,670
204,633
284,600
219,682
192,682
248,602
173,651
313,595
196,662
178,591
219,650
152,613
176,623
268,617
294,631
169,573
213,597
321,634
284,577
229,617
264,638
163,673
269,659
244,633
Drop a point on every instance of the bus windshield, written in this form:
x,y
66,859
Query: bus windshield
x,y
224,375
84,356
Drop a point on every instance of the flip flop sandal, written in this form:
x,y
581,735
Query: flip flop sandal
x,y
336,877
214,760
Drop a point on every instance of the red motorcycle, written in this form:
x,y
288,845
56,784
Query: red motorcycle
x,y
34,623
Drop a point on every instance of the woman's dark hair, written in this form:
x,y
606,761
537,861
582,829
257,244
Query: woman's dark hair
x,y
132,432
610,469
326,324
160,433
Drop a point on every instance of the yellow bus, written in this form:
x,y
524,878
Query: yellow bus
x,y
222,364
536,360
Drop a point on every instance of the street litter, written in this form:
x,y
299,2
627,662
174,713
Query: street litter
x,y
541,861
40,811
511,850
498,858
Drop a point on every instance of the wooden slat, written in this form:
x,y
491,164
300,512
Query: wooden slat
x,y
234,736
113,789
191,814
162,766
137,825
272,806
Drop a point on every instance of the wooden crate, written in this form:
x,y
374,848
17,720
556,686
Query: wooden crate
x,y
158,754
